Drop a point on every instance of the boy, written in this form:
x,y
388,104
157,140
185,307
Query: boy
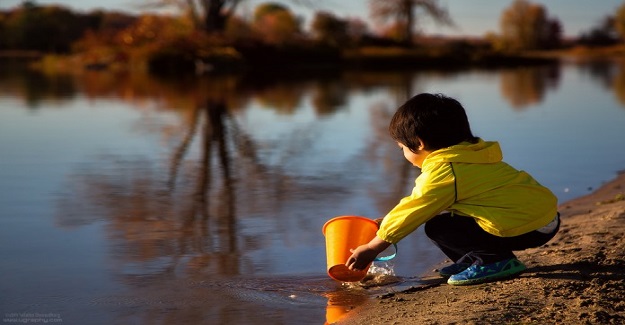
x,y
476,208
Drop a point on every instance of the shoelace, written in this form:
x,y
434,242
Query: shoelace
x,y
472,258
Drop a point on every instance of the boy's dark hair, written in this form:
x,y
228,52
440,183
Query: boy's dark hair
x,y
439,121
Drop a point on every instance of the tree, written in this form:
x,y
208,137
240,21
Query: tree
x,y
394,31
42,28
208,15
275,23
604,33
526,26
619,21
553,34
356,29
405,13
329,29
237,29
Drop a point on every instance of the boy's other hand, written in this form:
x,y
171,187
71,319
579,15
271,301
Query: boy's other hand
x,y
378,221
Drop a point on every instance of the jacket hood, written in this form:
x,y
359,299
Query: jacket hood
x,y
482,152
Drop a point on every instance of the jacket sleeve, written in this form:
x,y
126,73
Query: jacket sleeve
x,y
434,192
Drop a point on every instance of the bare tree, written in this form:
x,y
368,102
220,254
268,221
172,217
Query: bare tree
x,y
406,12
208,15
211,15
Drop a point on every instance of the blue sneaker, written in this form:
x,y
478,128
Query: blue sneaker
x,y
453,269
476,274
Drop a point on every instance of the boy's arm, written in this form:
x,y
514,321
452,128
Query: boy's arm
x,y
365,254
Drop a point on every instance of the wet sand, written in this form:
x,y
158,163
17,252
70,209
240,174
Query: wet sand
x,y
577,278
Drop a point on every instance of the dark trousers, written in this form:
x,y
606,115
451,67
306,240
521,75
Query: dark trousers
x,y
458,236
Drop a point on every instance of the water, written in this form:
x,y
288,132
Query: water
x,y
129,199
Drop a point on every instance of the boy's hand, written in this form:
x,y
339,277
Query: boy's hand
x,y
361,257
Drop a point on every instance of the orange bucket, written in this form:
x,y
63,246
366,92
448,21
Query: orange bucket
x,y
343,233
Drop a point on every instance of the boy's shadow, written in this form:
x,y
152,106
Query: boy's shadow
x,y
582,270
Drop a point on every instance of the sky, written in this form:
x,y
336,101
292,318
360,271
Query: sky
x,y
472,17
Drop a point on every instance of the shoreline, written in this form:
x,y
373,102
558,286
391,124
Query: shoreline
x,y
577,278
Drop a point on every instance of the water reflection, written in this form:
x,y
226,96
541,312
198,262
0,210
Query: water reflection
x,y
192,215
522,86
527,86
18,81
340,303
619,83
182,221
602,71
609,73
228,198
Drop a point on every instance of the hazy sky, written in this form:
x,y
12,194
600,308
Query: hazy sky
x,y
472,17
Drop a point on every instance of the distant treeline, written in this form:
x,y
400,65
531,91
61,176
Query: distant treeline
x,y
57,29
52,28
274,35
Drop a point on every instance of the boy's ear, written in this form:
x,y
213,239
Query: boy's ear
x,y
421,144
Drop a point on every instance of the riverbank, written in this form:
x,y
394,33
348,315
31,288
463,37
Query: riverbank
x,y
444,55
255,58
577,278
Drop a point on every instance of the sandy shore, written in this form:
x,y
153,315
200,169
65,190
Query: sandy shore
x,y
577,278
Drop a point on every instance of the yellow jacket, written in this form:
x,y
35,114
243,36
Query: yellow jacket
x,y
471,180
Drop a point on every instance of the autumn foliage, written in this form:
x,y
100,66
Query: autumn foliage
x,y
273,35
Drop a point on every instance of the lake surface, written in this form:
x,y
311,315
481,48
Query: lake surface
x,y
130,199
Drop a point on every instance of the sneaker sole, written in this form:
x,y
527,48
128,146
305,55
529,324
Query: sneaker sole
x,y
446,275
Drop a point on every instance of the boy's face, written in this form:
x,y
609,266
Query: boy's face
x,y
415,158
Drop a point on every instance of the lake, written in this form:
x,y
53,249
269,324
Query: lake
x,y
130,199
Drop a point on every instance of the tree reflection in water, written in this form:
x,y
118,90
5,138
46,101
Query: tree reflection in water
x,y
182,218
619,83
609,73
187,217
194,228
526,86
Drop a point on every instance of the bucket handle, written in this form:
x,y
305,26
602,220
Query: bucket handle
x,y
387,258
